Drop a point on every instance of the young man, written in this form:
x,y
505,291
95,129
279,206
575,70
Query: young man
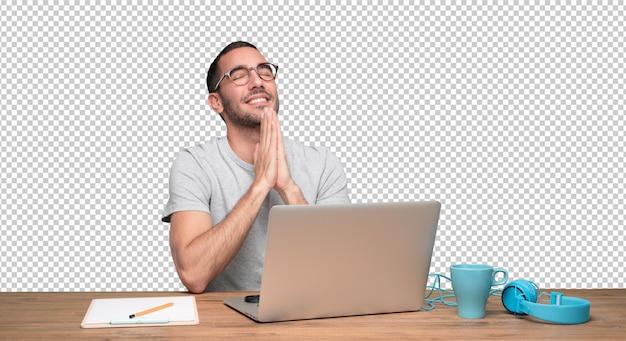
x,y
221,191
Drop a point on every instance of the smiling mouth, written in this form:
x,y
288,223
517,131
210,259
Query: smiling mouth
x,y
258,101
258,98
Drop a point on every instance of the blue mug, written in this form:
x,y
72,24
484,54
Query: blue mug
x,y
471,284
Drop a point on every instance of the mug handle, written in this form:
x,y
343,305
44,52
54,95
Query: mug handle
x,y
504,279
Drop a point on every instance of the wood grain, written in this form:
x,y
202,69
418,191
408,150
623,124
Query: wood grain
x,y
58,316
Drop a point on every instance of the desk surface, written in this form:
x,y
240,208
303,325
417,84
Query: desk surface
x,y
58,316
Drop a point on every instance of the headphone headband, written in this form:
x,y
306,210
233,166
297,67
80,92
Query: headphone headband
x,y
520,296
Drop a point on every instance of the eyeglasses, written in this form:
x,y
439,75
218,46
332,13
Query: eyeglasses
x,y
241,75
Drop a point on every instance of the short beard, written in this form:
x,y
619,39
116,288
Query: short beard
x,y
246,119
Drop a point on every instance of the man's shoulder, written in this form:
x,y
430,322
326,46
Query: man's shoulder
x,y
307,155
204,153
207,146
204,150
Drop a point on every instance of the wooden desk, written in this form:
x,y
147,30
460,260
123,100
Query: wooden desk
x,y
58,316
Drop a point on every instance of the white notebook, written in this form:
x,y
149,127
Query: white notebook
x,y
115,312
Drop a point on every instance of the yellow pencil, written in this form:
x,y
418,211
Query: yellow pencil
x,y
151,310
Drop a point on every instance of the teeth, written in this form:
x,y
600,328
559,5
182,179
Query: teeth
x,y
257,100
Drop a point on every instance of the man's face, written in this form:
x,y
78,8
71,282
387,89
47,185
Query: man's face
x,y
243,104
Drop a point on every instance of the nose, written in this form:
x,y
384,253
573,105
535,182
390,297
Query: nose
x,y
255,79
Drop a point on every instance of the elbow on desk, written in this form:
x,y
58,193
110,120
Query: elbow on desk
x,y
195,286
194,283
193,277
195,289
197,278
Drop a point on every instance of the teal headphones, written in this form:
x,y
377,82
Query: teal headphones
x,y
520,297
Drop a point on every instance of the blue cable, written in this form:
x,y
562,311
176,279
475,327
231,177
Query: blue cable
x,y
443,294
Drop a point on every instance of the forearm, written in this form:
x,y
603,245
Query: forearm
x,y
227,237
206,256
292,194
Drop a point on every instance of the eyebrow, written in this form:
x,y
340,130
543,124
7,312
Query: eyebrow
x,y
237,66
244,66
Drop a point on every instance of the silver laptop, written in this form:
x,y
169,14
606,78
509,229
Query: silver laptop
x,y
343,260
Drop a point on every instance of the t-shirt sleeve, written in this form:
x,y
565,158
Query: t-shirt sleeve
x,y
333,188
189,187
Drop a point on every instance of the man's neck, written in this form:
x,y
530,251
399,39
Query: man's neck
x,y
243,141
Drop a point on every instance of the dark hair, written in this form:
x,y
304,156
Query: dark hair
x,y
212,76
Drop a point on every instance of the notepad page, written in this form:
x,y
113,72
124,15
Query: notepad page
x,y
105,310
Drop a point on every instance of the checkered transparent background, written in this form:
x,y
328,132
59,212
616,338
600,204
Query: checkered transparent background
x,y
511,115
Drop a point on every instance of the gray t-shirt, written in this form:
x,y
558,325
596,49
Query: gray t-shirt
x,y
212,178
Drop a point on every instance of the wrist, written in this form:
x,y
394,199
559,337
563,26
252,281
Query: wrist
x,y
291,193
260,188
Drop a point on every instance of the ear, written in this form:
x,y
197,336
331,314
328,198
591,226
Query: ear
x,y
215,102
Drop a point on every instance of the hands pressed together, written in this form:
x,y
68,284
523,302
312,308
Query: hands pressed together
x,y
270,160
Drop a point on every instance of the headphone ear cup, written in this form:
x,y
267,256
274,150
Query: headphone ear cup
x,y
517,292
